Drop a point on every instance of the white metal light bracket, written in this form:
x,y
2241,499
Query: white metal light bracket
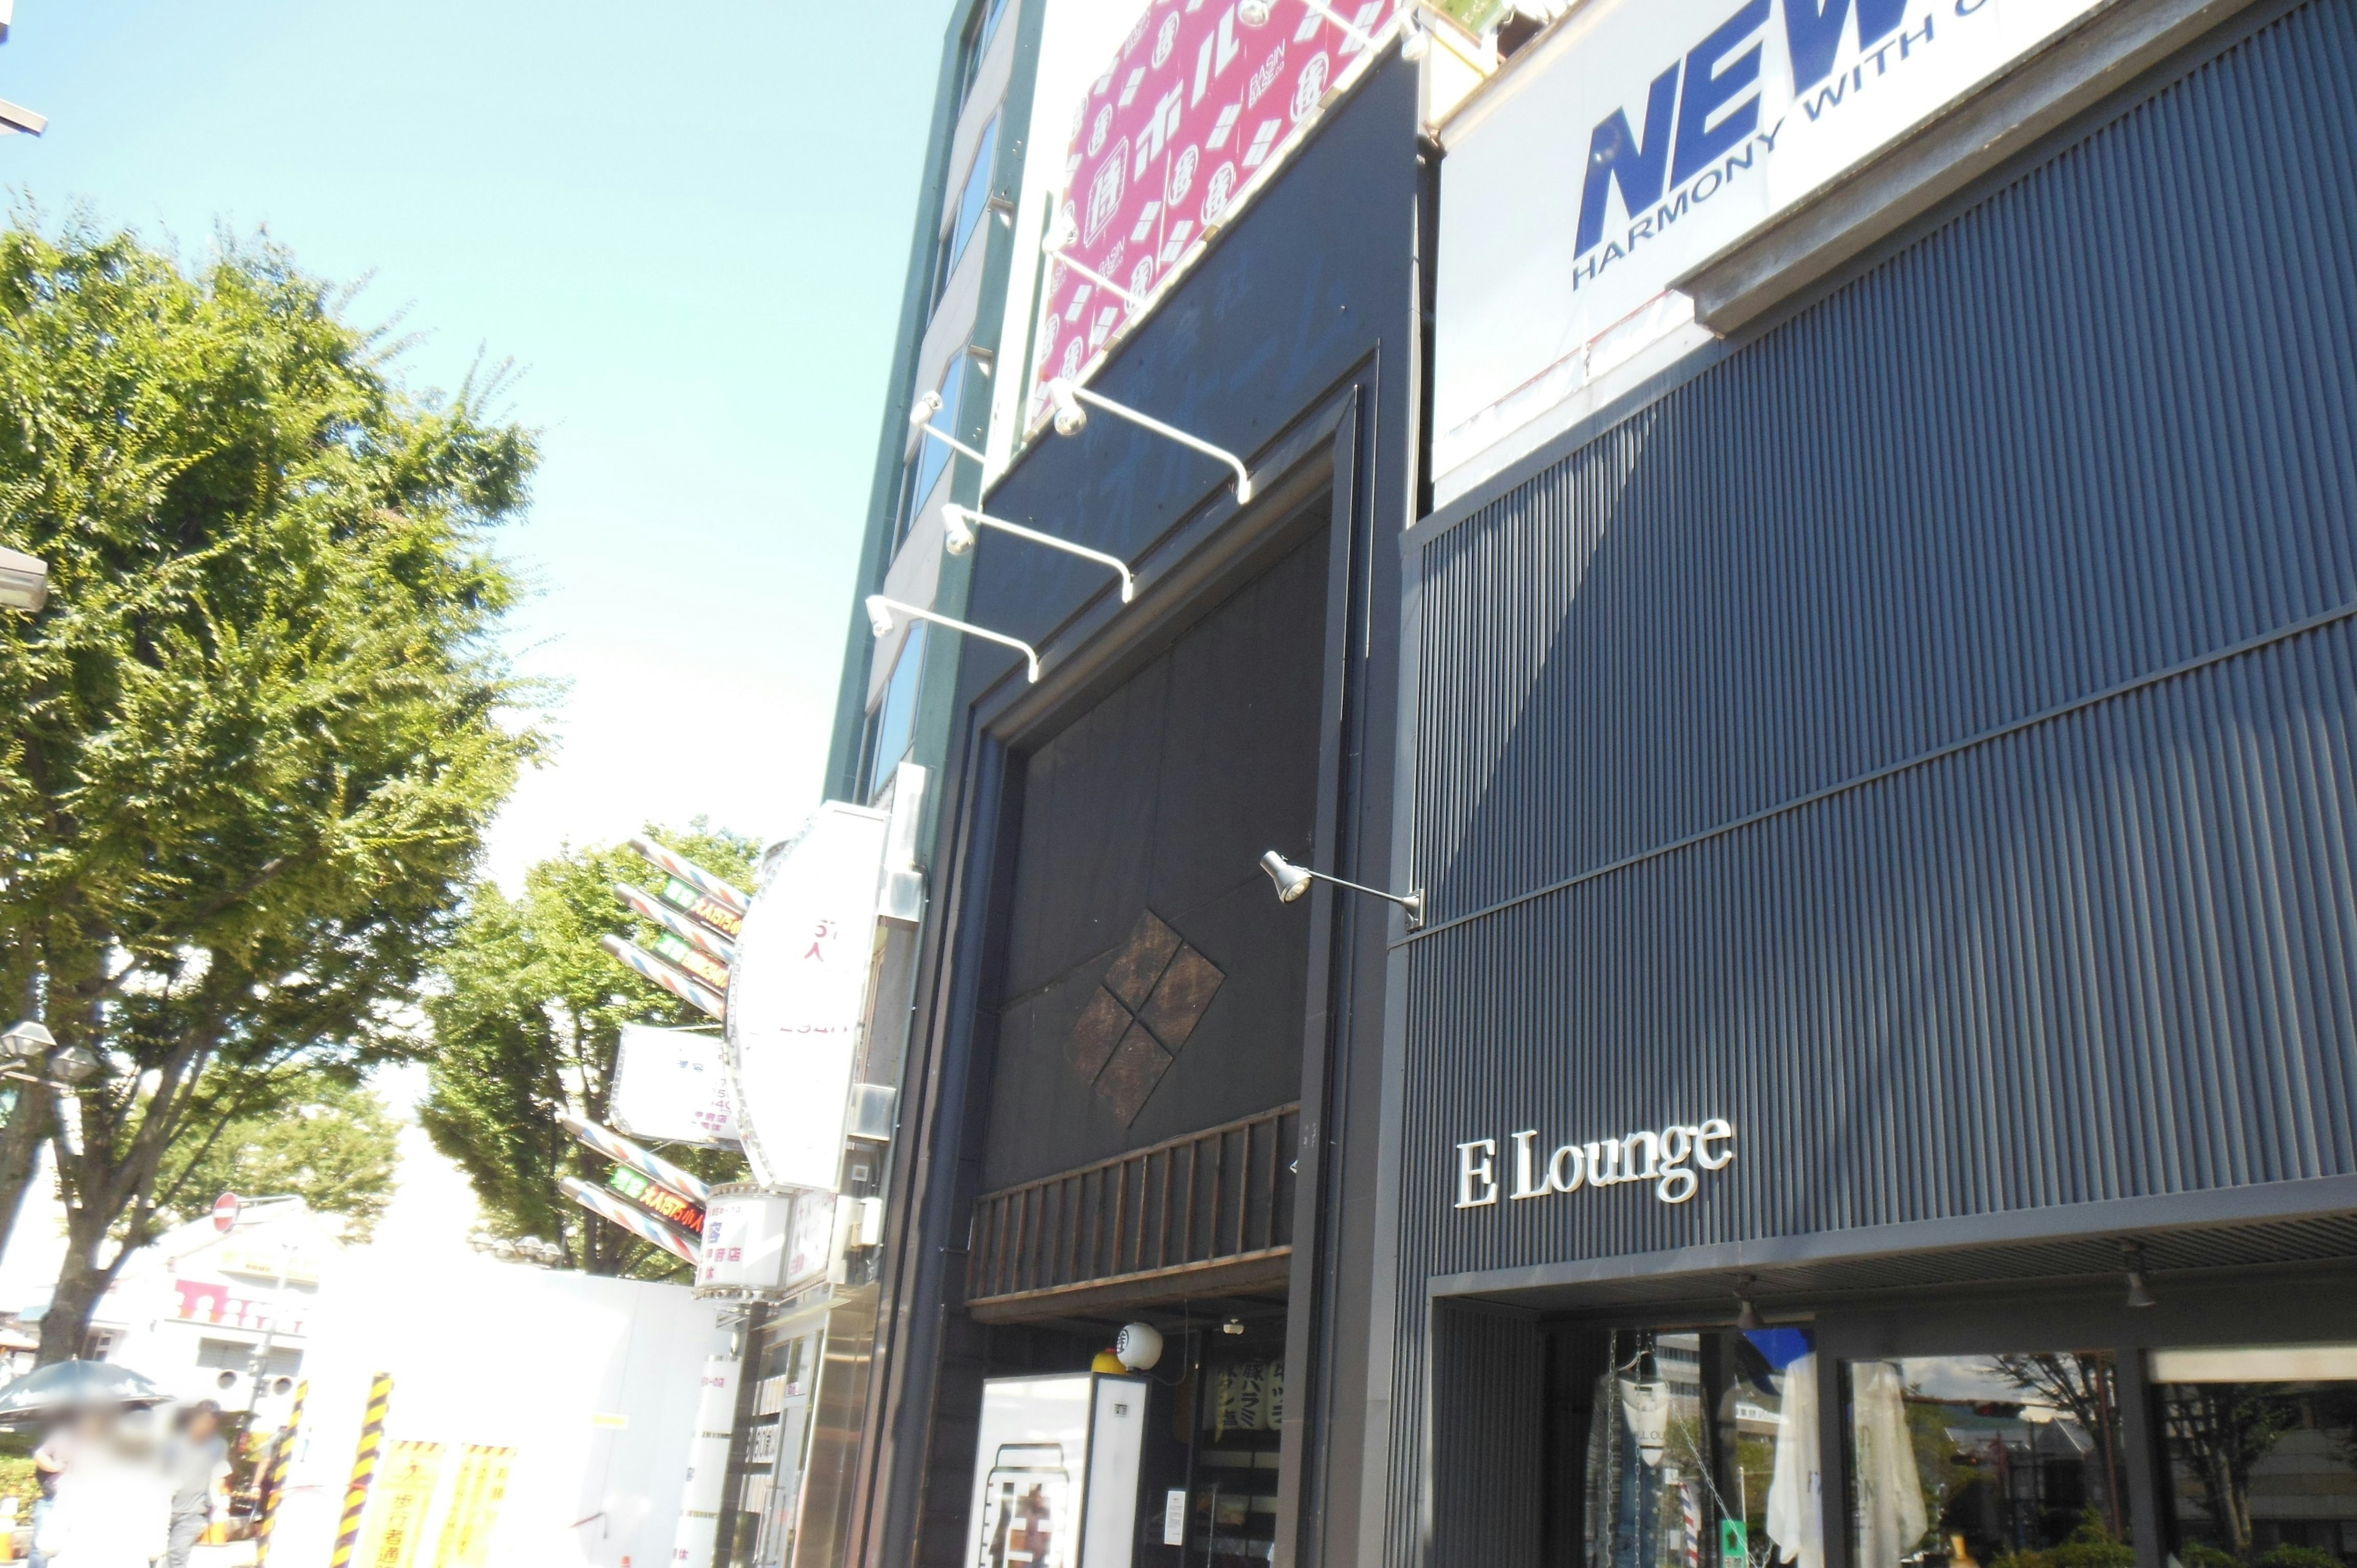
x,y
1413,44
880,611
1072,419
921,418
1292,881
958,523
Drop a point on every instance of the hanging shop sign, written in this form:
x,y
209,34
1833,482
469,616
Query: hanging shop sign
x,y
1673,1160
1647,137
1195,114
657,1200
798,994
764,1240
672,1085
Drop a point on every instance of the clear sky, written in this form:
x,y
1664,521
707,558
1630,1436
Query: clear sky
x,y
687,224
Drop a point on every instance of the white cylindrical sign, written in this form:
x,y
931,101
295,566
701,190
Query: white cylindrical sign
x,y
708,1466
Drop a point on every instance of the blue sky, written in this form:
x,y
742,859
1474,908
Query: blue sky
x,y
687,225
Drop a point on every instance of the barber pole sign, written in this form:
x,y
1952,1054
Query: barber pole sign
x,y
1195,114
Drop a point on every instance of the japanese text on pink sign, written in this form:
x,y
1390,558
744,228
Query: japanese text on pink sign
x,y
1197,109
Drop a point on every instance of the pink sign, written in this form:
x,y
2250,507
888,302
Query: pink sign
x,y
1197,110
202,1301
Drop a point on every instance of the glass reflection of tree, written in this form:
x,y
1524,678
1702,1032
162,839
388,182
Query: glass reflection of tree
x,y
2221,1432
2085,1384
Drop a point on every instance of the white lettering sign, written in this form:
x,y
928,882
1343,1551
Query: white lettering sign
x,y
1649,136
1668,1159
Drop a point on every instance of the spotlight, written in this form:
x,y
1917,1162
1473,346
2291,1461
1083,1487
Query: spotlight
x,y
1292,881
1254,13
1747,1316
921,419
882,612
1072,419
957,533
2139,1293
1234,1327
958,523
1062,236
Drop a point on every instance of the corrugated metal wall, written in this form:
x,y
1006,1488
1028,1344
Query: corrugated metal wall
x,y
1924,737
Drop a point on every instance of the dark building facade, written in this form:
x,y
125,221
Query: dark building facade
x,y
1130,1098
1875,1086
1872,1084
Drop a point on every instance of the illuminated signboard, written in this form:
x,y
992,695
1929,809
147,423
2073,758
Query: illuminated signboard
x,y
658,1201
709,911
701,965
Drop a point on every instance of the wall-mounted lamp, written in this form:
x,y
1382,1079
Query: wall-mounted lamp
x,y
958,523
881,611
1072,419
1257,13
920,417
1292,881
1062,236
2139,1293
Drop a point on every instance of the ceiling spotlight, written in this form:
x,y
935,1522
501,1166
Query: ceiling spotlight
x,y
23,581
25,1040
1292,881
1234,1327
958,523
1072,419
2139,1293
1747,1316
882,614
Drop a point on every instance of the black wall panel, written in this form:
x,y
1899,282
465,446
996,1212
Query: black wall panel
x,y
1923,738
1153,800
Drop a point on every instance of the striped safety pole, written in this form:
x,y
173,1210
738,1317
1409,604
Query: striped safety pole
x,y
646,1162
281,1460
639,1223
650,907
695,876
348,1532
687,989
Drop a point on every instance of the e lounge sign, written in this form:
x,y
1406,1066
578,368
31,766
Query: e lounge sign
x,y
1673,1160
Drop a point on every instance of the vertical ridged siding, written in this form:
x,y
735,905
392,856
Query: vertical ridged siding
x,y
1925,738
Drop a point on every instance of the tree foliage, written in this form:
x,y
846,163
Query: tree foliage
x,y
527,1022
257,735
329,1143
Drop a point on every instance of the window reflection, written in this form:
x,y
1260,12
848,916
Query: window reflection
x,y
1701,1452
2262,1456
1975,1461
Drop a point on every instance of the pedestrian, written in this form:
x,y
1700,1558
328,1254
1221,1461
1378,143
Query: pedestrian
x,y
112,1506
49,1462
196,1462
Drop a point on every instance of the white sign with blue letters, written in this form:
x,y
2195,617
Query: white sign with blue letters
x,y
1646,136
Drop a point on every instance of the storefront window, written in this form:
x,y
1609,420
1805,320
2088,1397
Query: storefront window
x,y
1702,1451
2262,1464
1972,1461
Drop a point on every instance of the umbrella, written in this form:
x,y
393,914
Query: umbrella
x,y
64,1387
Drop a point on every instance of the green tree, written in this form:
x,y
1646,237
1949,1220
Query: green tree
x,y
255,737
527,1020
329,1143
